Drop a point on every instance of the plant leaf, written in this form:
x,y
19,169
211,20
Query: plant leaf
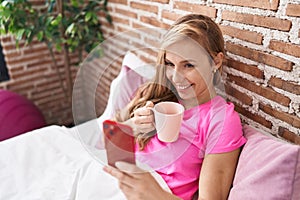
x,y
70,28
40,35
57,20
88,16
19,34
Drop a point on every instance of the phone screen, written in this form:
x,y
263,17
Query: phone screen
x,y
119,142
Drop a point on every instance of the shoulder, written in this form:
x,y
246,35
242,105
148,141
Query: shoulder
x,y
225,131
219,110
223,115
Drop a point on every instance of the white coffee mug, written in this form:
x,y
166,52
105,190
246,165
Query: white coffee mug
x,y
168,117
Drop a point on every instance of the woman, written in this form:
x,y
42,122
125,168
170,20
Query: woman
x,y
202,161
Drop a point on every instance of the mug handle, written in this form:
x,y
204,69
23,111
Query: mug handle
x,y
153,111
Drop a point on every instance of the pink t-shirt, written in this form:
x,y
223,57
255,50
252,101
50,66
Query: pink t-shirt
x,y
212,127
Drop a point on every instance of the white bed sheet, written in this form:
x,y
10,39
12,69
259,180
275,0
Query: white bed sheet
x,y
57,163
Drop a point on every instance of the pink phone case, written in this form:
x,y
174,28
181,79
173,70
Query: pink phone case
x,y
119,142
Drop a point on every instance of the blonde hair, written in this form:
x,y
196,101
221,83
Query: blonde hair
x,y
201,29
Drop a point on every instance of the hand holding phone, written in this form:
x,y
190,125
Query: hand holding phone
x,y
119,142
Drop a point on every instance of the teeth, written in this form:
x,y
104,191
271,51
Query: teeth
x,y
182,87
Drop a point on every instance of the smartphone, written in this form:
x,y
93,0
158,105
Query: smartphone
x,y
119,142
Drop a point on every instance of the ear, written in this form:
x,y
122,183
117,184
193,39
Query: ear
x,y
218,60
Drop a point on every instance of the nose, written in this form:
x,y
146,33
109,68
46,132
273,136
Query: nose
x,y
177,76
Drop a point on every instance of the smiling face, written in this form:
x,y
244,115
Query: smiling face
x,y
189,68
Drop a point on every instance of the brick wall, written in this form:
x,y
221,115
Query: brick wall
x,y
262,69
33,76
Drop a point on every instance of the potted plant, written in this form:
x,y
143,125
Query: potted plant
x,y
64,26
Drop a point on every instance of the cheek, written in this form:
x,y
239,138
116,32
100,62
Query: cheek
x,y
204,75
199,79
169,73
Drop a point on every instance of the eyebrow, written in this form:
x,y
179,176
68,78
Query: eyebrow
x,y
183,61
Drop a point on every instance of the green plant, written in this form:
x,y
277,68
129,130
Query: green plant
x,y
66,26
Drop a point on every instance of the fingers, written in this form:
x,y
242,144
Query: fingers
x,y
143,118
135,182
124,178
143,111
149,104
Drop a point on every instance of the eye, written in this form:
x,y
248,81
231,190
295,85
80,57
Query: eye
x,y
167,63
189,65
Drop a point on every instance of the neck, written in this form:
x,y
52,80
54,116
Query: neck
x,y
206,96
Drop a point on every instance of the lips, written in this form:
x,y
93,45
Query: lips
x,y
183,87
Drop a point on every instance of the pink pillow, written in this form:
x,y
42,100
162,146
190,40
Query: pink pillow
x,y
268,168
18,115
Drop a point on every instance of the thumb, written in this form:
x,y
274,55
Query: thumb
x,y
149,104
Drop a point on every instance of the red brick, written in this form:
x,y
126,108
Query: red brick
x,y
28,73
56,95
264,4
6,39
45,91
126,13
154,22
244,98
9,47
170,15
161,1
47,62
249,69
106,25
145,7
288,118
287,48
152,43
128,32
196,8
288,135
266,92
259,56
18,69
293,10
26,59
255,117
268,22
44,86
285,85
19,85
123,21
248,36
13,54
148,31
138,25
118,1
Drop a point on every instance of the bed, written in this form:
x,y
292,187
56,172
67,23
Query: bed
x,y
60,163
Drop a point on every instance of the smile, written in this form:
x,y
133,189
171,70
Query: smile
x,y
182,87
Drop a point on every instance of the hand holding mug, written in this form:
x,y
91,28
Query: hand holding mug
x,y
165,117
143,119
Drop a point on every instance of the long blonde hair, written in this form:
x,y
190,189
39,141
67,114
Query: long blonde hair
x,y
201,29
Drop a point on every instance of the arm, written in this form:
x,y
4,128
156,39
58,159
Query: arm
x,y
217,175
